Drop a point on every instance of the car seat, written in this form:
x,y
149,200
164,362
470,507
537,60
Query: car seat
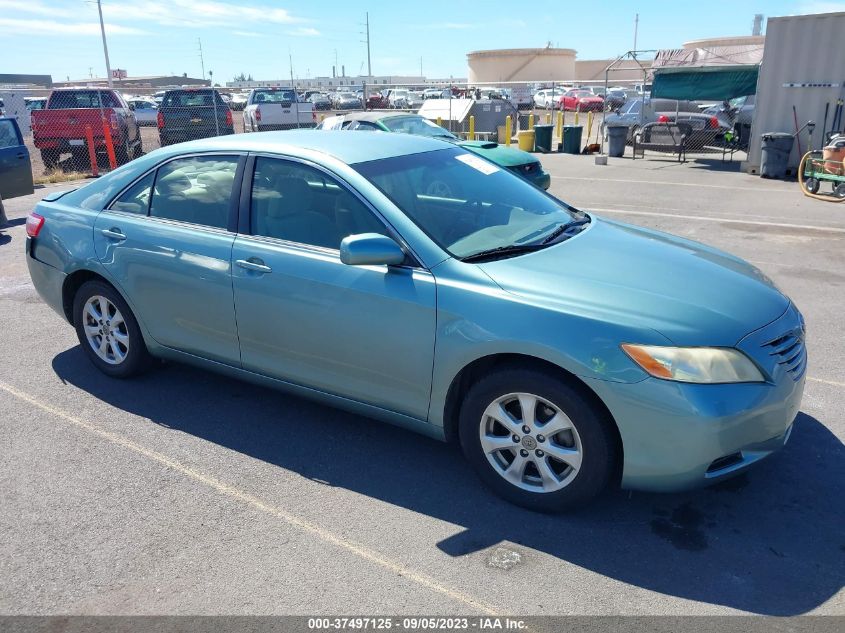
x,y
292,217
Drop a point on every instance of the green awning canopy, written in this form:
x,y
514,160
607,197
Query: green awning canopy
x,y
718,83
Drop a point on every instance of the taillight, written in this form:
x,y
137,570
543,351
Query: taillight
x,y
258,113
714,122
314,115
663,119
160,119
34,223
228,117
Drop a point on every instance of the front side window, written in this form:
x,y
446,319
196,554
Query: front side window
x,y
298,203
197,189
466,204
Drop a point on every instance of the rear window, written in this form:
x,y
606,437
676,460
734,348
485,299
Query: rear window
x,y
83,99
190,98
273,96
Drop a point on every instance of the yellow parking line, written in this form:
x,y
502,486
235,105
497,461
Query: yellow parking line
x,y
357,549
827,382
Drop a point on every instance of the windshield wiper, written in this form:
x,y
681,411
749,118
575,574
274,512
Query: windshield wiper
x,y
502,251
564,229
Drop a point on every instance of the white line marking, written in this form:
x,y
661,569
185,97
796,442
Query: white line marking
x,y
827,382
704,218
357,549
675,184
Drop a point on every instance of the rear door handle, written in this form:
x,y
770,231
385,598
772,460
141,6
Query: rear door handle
x,y
113,234
254,264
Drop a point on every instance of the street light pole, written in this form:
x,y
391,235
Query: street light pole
x,y
105,46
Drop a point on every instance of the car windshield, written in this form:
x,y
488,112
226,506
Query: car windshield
x,y
466,204
416,125
274,96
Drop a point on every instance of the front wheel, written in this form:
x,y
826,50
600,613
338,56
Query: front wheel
x,y
537,441
108,331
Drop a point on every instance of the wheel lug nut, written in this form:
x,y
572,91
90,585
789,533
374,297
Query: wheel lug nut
x,y
539,453
541,438
515,438
526,429
523,452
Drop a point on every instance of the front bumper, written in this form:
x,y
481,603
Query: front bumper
x,y
677,436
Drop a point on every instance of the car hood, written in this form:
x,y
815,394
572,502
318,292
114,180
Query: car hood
x,y
500,154
690,293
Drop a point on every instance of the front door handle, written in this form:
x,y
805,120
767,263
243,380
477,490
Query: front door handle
x,y
254,264
21,156
113,234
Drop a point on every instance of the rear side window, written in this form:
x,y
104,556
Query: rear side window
x,y
197,190
136,199
8,135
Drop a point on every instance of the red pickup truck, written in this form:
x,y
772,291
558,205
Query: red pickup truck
x,y
60,126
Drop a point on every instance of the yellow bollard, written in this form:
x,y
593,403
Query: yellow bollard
x,y
531,121
576,116
548,117
508,131
440,121
559,130
589,124
471,128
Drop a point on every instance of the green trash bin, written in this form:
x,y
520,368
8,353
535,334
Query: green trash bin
x,y
572,139
543,138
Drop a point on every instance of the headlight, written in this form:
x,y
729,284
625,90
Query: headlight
x,y
694,364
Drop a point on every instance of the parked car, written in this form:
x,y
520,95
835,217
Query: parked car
x,y
158,96
635,113
511,158
35,103
15,164
145,111
320,101
239,100
277,109
378,100
615,99
60,127
192,113
345,101
437,93
399,99
562,351
578,99
738,110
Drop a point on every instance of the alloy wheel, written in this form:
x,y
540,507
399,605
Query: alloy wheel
x,y
105,330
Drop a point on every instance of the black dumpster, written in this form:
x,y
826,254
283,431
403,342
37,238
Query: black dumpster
x,y
776,148
572,139
543,137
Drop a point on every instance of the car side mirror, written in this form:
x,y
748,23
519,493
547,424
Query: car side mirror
x,y
370,249
131,106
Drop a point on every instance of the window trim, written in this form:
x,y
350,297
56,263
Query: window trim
x,y
413,260
232,221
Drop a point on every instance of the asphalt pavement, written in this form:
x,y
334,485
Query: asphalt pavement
x,y
184,492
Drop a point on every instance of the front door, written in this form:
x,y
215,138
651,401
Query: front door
x,y
15,167
166,242
362,332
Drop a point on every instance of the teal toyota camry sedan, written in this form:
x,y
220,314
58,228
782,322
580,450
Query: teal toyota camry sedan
x,y
563,351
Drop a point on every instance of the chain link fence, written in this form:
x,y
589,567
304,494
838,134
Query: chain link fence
x,y
90,130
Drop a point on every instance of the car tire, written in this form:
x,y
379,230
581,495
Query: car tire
x,y
3,219
585,439
123,353
50,158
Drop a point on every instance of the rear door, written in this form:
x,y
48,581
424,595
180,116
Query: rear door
x,y
15,166
166,241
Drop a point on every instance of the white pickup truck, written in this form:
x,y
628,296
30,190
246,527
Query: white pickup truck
x,y
277,109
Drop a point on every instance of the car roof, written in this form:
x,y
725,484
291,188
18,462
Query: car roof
x,y
346,147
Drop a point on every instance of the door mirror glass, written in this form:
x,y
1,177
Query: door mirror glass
x,y
131,106
370,249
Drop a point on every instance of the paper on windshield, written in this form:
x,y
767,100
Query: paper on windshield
x,y
478,164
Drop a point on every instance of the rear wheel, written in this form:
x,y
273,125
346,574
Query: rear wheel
x,y
50,158
108,331
536,441
812,185
839,191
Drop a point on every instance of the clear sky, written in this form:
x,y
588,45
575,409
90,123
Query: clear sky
x,y
153,37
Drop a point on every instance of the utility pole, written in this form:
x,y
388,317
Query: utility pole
x,y
636,27
202,61
369,65
421,74
105,47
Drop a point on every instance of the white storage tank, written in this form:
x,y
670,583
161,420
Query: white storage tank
x,y
521,64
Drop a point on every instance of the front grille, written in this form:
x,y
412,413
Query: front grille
x,y
789,352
